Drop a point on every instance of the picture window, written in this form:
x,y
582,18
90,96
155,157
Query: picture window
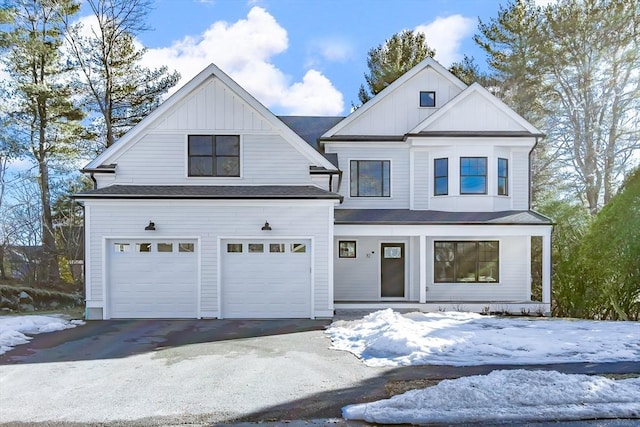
x,y
466,262
370,178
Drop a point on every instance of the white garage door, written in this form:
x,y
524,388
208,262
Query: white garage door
x,y
266,278
152,278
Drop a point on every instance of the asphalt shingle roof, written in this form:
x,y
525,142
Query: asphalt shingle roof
x,y
208,192
406,216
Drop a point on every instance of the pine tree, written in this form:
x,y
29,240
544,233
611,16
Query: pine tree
x,y
42,111
392,59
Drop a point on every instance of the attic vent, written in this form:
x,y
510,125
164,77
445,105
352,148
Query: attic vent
x,y
427,99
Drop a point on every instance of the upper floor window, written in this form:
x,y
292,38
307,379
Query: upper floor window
x,y
441,177
503,177
370,178
473,175
214,155
466,261
427,99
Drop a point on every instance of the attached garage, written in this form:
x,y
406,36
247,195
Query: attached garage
x,y
152,278
266,278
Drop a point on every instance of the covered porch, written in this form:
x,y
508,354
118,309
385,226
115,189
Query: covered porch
x,y
394,259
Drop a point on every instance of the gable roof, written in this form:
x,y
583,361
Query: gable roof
x,y
211,71
475,88
426,63
311,128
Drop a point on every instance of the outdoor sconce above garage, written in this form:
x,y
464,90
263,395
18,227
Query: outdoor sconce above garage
x,y
151,226
266,226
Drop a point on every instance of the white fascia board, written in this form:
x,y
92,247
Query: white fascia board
x,y
427,62
211,203
213,71
442,231
512,142
475,88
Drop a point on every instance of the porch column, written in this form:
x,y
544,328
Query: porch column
x,y
422,253
546,269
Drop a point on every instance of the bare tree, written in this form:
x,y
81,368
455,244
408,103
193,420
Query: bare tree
x,y
121,91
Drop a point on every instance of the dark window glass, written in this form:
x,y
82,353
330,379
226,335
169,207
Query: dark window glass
x,y
466,262
370,178
503,174
441,177
428,99
473,175
214,155
234,247
347,249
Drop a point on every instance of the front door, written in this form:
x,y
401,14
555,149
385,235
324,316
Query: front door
x,y
392,270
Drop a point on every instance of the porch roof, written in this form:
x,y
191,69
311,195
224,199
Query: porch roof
x,y
407,216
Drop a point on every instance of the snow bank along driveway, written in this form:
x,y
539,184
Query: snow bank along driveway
x,y
386,338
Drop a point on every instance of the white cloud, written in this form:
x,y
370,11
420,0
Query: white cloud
x,y
445,36
243,50
333,49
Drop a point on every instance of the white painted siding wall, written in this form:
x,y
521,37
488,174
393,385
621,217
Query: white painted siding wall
x,y
161,159
397,153
422,179
358,279
400,112
520,179
513,285
475,113
212,106
208,220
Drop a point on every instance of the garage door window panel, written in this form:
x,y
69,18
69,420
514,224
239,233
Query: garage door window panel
x,y
121,247
186,247
256,248
234,247
276,247
143,247
299,248
165,247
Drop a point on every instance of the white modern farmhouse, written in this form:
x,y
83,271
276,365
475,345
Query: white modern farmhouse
x,y
213,207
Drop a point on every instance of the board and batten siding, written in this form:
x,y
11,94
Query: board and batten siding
x,y
161,158
212,106
399,180
207,221
514,280
475,113
400,110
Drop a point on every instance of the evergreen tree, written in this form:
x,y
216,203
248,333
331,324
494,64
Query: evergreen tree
x,y
42,112
120,91
392,59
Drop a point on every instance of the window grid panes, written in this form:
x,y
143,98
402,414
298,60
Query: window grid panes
x,y
214,155
503,174
346,249
441,177
473,175
370,178
427,99
466,262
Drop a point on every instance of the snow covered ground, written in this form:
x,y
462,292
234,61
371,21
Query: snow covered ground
x,y
14,330
387,338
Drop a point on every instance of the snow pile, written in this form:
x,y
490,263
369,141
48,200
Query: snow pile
x,y
507,396
387,338
13,329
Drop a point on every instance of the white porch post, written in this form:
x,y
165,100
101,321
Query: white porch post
x,y
546,269
422,253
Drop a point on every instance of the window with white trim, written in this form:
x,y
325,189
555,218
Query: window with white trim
x,y
370,178
214,155
466,261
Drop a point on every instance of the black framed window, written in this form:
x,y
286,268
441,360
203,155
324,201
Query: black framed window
x,y
427,99
441,177
473,175
370,178
503,177
214,155
346,249
466,261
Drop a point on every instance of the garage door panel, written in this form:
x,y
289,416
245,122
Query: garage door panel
x,y
152,284
266,284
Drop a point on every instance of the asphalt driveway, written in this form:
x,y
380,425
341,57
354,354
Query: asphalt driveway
x,y
203,372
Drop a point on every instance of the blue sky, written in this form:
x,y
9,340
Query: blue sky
x,y
303,56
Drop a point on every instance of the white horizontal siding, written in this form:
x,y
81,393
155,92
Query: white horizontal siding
x,y
513,285
161,159
520,180
422,179
400,111
399,167
208,220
